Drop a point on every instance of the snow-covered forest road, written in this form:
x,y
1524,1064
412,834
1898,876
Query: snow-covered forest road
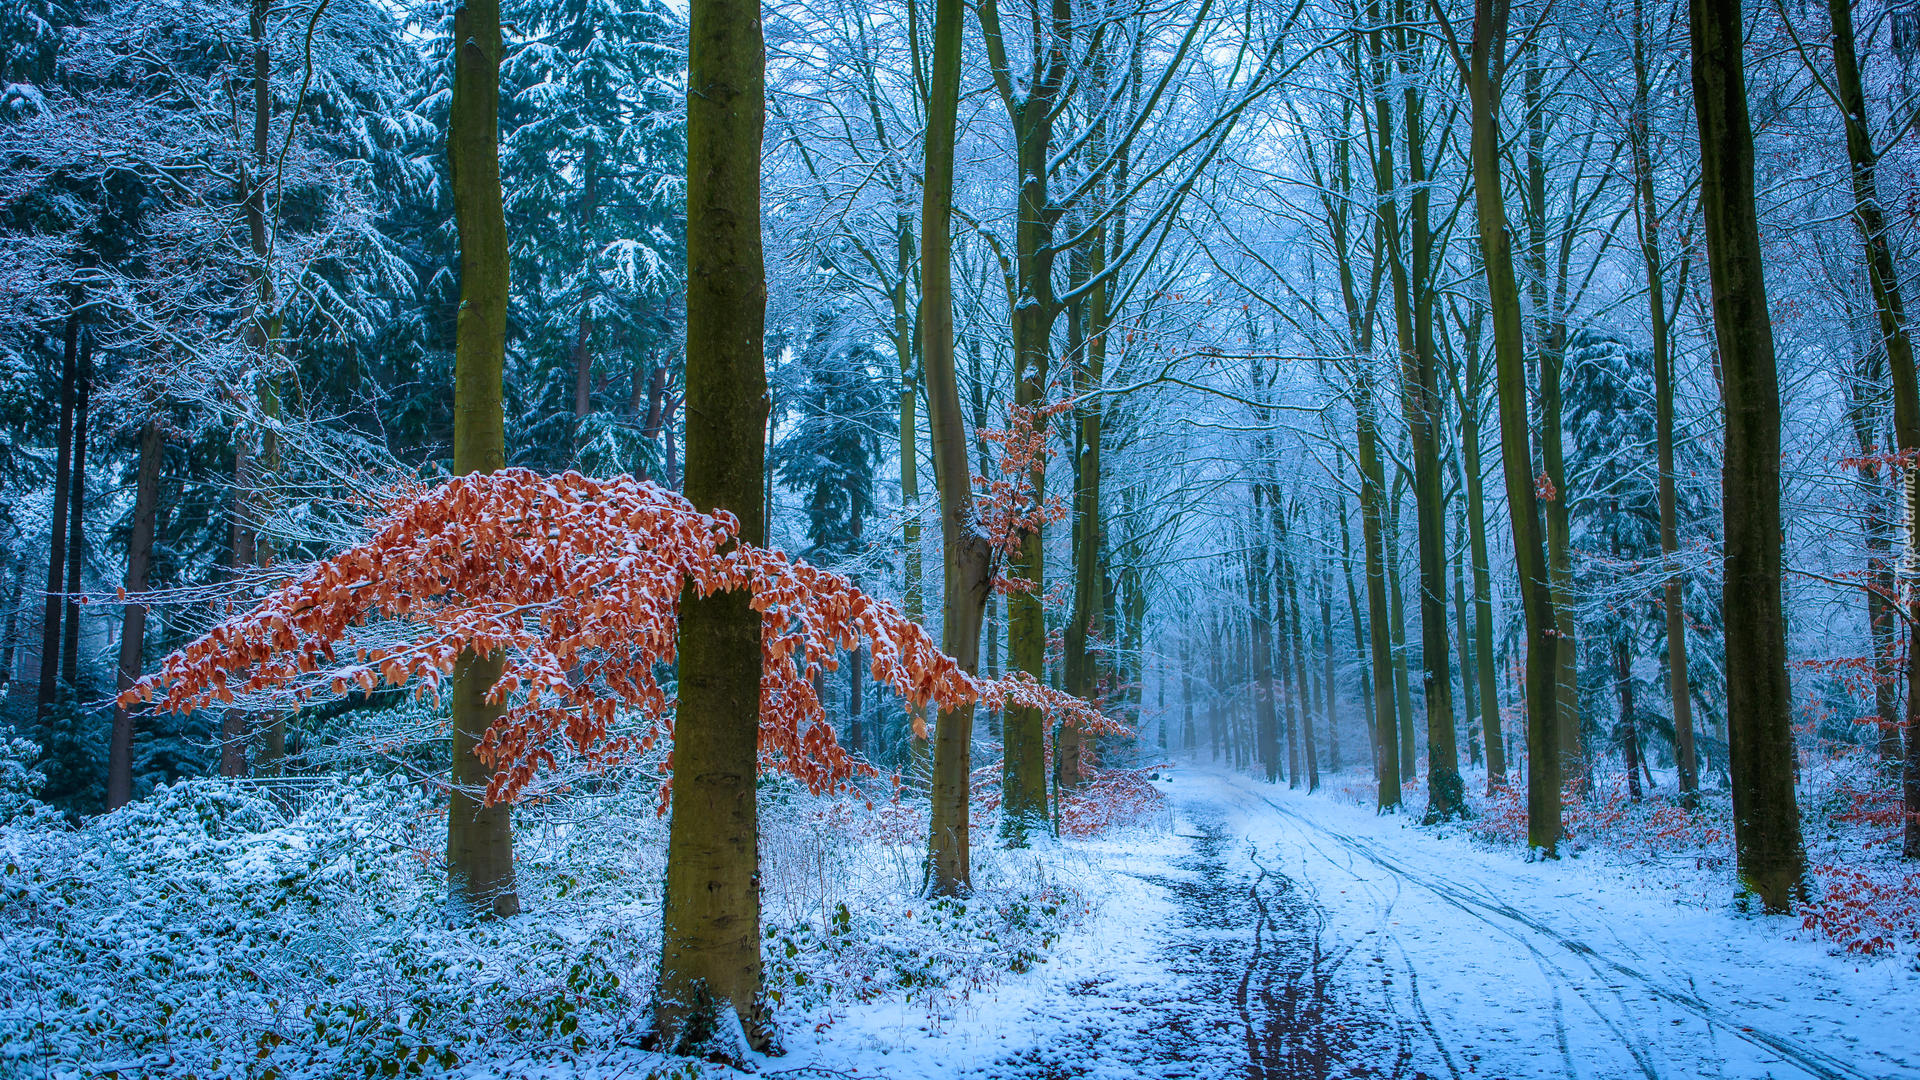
x,y
1282,935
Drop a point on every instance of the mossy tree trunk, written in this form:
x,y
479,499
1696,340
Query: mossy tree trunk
x,y
1768,852
710,971
1386,740
1542,663
479,836
1550,352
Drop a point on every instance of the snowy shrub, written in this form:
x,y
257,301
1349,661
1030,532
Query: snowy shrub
x,y
1657,827
1112,799
20,781
204,931
196,932
934,951
1864,911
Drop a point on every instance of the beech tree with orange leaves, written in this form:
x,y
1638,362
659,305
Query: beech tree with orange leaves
x,y
578,587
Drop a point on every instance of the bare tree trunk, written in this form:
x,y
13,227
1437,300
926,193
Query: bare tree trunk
x,y
1550,351
1543,749
1386,737
77,520
582,352
1308,750
966,554
710,946
918,747
1629,723
1473,478
1463,640
1420,400
1088,334
1332,687
133,618
1260,638
1661,325
1884,276
1216,695
57,530
1766,815
1369,674
1189,737
480,876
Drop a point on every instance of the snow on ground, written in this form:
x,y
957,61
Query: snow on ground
x,y
1259,933
1281,934
1573,968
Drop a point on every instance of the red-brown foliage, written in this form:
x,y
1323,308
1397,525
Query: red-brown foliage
x,y
578,582
1111,799
1008,507
1863,913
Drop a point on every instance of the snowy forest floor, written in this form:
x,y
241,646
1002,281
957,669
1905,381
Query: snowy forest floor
x,y
1239,929
1276,934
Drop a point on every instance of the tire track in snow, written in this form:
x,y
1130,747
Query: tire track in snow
x,y
1384,908
1811,1060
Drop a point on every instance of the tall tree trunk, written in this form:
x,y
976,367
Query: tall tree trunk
x,y
1483,645
966,554
1369,674
262,332
1766,815
1882,589
1189,737
1288,702
77,521
1307,748
133,618
582,352
1079,671
1648,207
1031,115
710,946
1550,350
1024,774
1373,497
1420,401
1543,757
57,529
479,837
1407,754
1884,276
1463,639
1216,695
1328,682
1260,637
919,748
1629,723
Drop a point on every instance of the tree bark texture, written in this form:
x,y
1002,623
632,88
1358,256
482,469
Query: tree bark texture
x,y
1766,816
1542,663
479,837
133,618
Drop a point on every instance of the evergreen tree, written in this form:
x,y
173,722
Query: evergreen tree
x,y
832,451
593,142
1615,532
